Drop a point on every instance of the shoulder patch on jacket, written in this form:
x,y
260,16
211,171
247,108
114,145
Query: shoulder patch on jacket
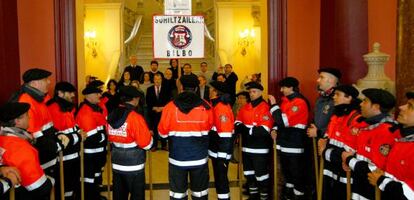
x,y
326,109
223,118
354,131
385,149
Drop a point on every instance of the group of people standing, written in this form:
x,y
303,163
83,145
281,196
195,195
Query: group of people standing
x,y
39,131
160,88
360,146
364,153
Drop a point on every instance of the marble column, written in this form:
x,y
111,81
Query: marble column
x,y
277,68
405,49
277,43
344,37
9,50
65,36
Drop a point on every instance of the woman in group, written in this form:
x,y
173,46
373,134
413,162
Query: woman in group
x,y
145,82
110,97
142,106
174,68
170,82
125,79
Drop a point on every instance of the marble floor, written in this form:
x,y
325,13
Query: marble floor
x,y
160,177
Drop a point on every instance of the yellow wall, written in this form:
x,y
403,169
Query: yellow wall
x,y
105,20
234,17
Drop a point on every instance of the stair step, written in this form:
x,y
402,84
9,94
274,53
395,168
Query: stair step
x,y
144,53
146,37
144,45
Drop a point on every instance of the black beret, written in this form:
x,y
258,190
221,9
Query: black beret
x,y
379,96
91,90
289,82
95,83
13,110
65,87
130,91
220,86
349,90
189,81
253,84
244,93
35,74
410,95
332,71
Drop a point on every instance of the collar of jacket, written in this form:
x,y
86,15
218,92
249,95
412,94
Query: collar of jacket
x,y
225,99
343,109
64,105
256,102
33,92
292,96
215,101
17,132
95,107
327,93
119,115
407,132
376,119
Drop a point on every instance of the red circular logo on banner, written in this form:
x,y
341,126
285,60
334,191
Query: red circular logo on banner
x,y
180,36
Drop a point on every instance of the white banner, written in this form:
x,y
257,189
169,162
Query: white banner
x,y
178,36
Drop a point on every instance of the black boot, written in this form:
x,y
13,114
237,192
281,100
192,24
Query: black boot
x,y
254,197
299,197
287,194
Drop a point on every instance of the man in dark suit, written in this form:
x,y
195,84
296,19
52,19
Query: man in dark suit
x,y
231,80
154,70
134,70
157,97
203,90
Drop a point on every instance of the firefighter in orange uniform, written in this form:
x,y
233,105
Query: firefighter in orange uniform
x,y
18,152
48,141
62,109
340,138
103,100
290,121
130,138
254,122
92,120
221,141
376,137
186,121
397,182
